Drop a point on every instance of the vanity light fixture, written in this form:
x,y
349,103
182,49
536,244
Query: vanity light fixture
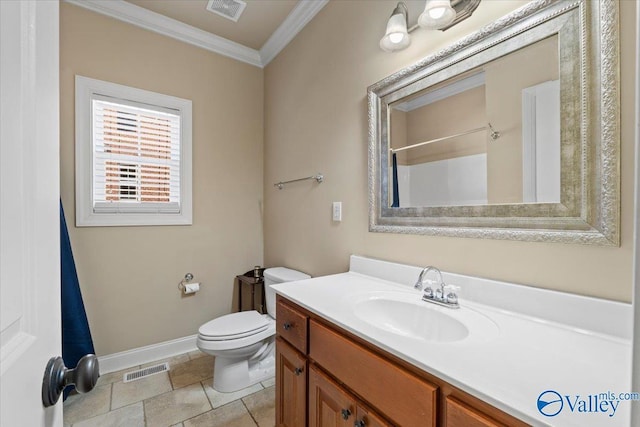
x,y
397,35
437,15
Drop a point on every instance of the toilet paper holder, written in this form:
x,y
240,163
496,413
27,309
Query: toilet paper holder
x,y
187,278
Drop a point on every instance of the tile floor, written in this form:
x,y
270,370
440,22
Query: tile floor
x,y
181,397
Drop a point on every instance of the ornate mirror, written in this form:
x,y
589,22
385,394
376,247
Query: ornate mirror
x,y
511,133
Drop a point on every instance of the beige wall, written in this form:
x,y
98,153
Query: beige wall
x,y
449,116
316,120
129,275
506,77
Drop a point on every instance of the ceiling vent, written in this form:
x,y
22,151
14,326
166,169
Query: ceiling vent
x,y
230,9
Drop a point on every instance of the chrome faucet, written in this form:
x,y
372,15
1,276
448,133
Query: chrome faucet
x,y
443,295
419,284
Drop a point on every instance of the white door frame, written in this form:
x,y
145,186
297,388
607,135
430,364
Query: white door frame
x,y
635,377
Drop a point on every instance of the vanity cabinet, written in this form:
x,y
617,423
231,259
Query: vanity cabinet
x,y
327,377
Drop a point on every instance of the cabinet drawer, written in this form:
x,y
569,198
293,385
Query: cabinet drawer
x,y
457,414
292,326
404,398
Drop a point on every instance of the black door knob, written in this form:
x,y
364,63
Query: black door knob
x,y
57,377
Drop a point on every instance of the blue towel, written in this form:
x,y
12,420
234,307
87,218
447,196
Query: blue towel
x,y
76,336
396,192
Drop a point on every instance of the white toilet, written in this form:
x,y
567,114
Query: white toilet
x,y
243,343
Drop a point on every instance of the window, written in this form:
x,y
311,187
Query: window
x,y
133,156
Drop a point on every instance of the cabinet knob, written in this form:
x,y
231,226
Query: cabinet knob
x,y
345,414
298,371
359,423
287,326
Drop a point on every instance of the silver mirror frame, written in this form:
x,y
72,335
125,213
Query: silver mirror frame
x,y
589,212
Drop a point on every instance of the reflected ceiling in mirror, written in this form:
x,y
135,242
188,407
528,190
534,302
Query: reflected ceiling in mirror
x,y
511,133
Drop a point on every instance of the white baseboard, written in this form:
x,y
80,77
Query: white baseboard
x,y
138,356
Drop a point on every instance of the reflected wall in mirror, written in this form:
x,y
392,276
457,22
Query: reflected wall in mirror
x,y
449,150
511,133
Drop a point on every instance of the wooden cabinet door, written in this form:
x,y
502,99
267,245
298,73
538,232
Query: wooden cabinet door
x,y
329,405
291,386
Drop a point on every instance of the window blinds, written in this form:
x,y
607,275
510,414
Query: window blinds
x,y
136,157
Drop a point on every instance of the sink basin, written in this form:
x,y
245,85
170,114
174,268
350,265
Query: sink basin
x,y
405,314
411,320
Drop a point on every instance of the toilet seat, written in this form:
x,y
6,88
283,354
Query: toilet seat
x,y
234,326
235,331
206,343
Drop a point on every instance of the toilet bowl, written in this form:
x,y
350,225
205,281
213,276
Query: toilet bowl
x,y
243,343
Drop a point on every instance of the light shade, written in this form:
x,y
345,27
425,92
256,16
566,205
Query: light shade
x,y
396,37
437,14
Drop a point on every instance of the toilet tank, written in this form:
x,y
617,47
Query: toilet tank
x,y
275,275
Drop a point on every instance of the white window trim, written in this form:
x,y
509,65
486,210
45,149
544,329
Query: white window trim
x,y
85,215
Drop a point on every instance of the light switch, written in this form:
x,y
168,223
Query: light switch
x,y
337,211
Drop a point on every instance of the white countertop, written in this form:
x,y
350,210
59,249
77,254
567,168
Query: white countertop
x,y
528,355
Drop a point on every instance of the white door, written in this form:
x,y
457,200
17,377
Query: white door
x,y
29,192
541,143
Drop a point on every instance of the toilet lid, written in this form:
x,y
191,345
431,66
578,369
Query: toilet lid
x,y
234,325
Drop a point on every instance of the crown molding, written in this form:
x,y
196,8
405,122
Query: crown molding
x,y
144,18
122,10
300,16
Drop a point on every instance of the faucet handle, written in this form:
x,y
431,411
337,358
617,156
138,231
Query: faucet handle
x,y
450,293
452,298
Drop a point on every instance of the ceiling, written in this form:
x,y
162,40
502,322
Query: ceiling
x,y
262,31
258,21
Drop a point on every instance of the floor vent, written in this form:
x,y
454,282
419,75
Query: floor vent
x,y
141,373
230,9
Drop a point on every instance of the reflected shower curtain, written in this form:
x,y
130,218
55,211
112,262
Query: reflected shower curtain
x,y
396,192
76,336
